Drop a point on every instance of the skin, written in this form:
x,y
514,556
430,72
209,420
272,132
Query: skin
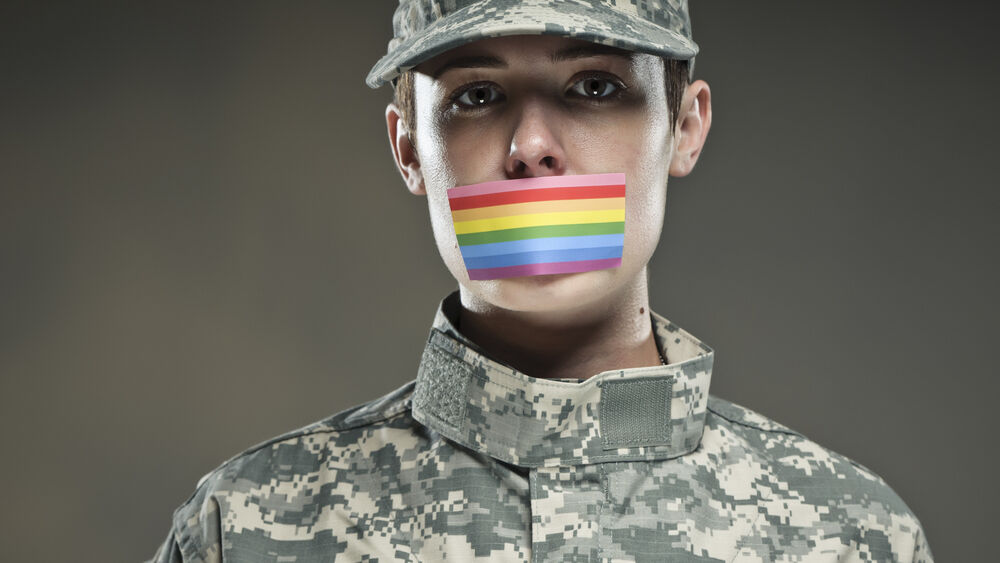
x,y
523,106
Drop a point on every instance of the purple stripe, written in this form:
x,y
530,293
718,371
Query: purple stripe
x,y
613,179
542,269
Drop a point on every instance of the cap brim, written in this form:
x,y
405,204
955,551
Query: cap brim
x,y
537,17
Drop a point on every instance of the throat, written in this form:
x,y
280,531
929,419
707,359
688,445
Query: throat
x,y
611,336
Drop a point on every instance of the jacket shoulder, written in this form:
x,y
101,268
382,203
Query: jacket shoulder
x,y
801,480
743,416
784,447
283,469
373,412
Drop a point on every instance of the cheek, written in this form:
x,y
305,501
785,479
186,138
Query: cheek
x,y
645,158
470,153
638,145
647,202
636,142
452,156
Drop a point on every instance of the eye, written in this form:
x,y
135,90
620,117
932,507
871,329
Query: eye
x,y
477,96
594,87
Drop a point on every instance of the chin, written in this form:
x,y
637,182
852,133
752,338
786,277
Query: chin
x,y
548,293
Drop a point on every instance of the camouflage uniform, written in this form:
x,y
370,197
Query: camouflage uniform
x,y
474,460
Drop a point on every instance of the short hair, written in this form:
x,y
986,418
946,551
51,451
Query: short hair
x,y
676,75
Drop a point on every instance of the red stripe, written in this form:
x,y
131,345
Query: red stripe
x,y
544,194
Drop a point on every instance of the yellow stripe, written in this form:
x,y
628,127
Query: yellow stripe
x,y
539,220
538,207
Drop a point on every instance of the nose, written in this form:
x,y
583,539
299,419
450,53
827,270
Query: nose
x,y
535,147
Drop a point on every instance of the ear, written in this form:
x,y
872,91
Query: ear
x,y
693,123
403,152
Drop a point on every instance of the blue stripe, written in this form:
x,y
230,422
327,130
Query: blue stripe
x,y
536,244
543,256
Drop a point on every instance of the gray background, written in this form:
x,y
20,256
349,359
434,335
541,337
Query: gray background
x,y
203,243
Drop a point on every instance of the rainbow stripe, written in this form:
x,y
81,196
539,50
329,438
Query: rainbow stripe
x,y
536,226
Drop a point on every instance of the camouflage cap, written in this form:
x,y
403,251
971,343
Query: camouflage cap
x,y
425,28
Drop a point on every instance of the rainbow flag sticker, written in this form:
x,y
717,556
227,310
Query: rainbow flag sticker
x,y
536,226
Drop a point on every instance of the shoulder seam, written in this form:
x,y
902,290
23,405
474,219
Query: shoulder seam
x,y
401,407
754,426
378,416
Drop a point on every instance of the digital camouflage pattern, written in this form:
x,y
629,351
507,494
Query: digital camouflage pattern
x,y
474,460
424,28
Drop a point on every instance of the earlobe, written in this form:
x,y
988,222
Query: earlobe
x,y
404,154
693,123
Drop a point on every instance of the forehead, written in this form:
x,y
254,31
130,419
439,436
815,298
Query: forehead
x,y
516,50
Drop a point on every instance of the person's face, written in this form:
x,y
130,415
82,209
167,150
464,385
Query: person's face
x,y
523,106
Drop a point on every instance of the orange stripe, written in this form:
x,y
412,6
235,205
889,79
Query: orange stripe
x,y
538,207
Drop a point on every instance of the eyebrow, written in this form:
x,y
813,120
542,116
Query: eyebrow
x,y
470,62
584,51
562,55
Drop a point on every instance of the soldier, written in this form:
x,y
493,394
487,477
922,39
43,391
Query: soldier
x,y
553,417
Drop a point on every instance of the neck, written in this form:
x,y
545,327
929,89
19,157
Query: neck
x,y
614,333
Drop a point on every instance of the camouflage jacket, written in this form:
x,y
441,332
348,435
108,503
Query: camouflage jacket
x,y
474,460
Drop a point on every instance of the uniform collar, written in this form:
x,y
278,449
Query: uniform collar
x,y
622,415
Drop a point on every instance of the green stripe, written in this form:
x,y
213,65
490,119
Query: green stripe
x,y
541,232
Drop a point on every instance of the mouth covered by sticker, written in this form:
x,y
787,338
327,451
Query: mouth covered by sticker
x,y
538,226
